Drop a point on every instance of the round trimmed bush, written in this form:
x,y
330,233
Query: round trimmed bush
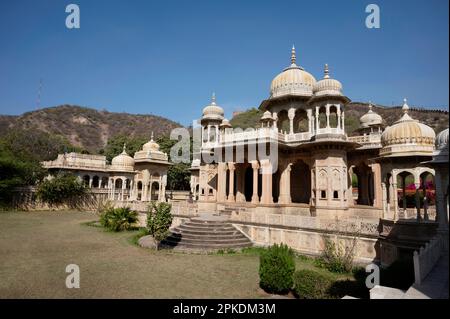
x,y
310,284
276,268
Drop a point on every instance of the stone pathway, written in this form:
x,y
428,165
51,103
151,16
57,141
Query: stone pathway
x,y
435,285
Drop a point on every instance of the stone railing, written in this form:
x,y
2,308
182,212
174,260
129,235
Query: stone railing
x,y
426,258
368,139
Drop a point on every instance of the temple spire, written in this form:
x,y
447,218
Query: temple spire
x,y
405,106
326,72
293,56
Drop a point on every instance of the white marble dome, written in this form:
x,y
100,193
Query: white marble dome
x,y
267,116
213,111
123,161
225,123
407,137
294,80
327,86
370,118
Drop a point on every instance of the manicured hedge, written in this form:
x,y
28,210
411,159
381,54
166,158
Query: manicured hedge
x,y
276,269
310,284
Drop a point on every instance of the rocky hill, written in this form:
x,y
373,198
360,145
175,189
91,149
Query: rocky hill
x,y
437,119
87,128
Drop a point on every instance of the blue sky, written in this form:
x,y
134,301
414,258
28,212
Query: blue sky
x,y
167,57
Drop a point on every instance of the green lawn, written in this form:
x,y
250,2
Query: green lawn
x,y
35,248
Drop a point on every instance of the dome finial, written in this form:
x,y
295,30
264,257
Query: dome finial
x,y
326,72
405,106
124,148
213,98
293,55
151,137
370,106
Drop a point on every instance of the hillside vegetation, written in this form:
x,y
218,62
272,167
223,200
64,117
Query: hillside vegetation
x,y
85,128
437,119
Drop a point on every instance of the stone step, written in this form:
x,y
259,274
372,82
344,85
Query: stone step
x,y
205,235
205,227
174,237
207,223
204,231
204,245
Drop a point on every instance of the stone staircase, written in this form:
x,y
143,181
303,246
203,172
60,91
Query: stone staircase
x,y
206,234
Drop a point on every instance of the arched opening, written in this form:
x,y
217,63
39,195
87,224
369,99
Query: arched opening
x,y
248,184
427,195
105,182
197,190
139,190
406,194
86,179
276,186
154,191
333,117
300,182
283,121
322,117
95,181
362,184
300,121
118,183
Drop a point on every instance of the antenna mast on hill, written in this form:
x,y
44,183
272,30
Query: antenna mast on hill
x,y
38,102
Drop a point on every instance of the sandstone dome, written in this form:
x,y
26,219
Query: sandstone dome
x,y
123,161
407,137
327,86
294,80
442,140
213,111
370,118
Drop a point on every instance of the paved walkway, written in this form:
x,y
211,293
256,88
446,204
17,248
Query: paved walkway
x,y
435,285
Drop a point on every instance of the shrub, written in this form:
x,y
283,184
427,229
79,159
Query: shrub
x,y
310,284
336,258
276,267
63,188
159,220
118,219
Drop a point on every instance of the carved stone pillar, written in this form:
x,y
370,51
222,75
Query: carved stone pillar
x,y
231,169
285,185
266,196
255,167
221,181
376,170
291,115
417,185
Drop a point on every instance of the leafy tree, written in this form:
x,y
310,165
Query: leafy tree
x,y
61,189
159,219
115,145
178,175
16,171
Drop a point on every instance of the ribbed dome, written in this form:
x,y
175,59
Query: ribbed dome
x,y
151,145
407,137
213,111
327,86
442,140
370,118
123,161
292,81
